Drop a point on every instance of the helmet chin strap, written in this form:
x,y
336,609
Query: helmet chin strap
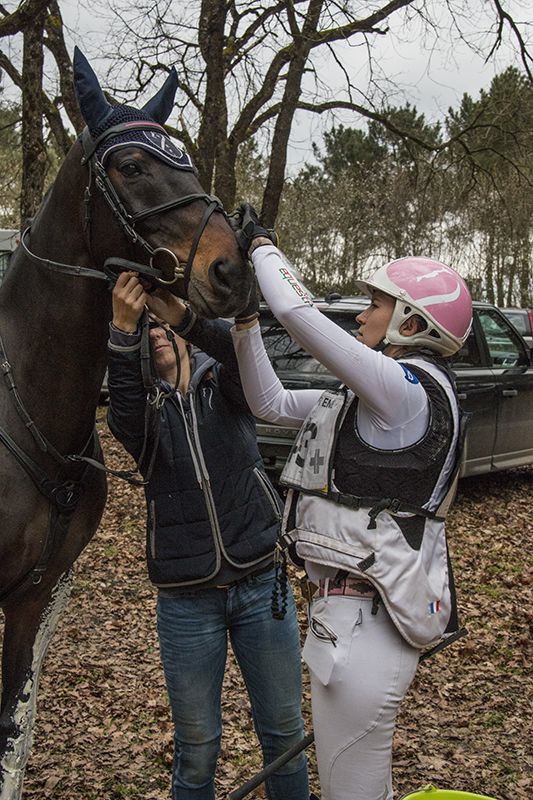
x,y
380,346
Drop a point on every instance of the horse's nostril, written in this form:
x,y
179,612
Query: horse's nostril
x,y
224,274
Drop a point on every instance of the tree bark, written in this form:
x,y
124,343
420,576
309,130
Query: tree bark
x,y
23,17
282,128
33,150
213,131
55,42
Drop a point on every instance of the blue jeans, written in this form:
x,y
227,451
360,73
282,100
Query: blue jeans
x,y
193,631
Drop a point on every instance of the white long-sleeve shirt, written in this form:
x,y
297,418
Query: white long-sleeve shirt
x,y
393,409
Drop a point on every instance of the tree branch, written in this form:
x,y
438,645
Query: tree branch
x,y
503,17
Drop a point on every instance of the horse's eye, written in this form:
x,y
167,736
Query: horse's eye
x,y
129,169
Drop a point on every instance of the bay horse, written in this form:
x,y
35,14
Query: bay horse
x,y
125,190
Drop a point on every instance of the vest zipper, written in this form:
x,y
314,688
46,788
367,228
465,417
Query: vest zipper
x,y
203,475
152,527
206,485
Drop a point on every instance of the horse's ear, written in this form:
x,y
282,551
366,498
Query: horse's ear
x,y
93,105
162,103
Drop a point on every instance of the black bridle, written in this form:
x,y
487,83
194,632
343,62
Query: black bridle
x,y
128,221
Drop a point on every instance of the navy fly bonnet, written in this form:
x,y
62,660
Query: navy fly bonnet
x,y
101,116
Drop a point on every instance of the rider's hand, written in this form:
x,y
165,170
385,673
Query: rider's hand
x,y
249,315
129,298
247,227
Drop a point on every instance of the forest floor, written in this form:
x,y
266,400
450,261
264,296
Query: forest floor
x,y
104,730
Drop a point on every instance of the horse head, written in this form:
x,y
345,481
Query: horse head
x,y
151,184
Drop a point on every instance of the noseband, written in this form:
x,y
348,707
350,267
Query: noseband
x,y
128,221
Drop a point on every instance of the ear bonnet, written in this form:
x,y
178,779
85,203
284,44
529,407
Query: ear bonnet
x,y
138,127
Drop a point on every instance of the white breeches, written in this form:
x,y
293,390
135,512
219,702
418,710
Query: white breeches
x,y
357,684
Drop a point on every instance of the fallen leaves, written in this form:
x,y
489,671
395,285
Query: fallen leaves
x,y
104,730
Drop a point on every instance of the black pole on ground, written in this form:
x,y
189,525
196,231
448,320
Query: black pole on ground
x,y
265,773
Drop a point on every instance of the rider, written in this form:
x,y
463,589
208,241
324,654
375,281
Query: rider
x,y
370,476
213,519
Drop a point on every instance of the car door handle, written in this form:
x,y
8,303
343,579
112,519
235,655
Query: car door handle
x,y
472,390
509,392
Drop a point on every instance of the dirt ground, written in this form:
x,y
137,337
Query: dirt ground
x,y
104,729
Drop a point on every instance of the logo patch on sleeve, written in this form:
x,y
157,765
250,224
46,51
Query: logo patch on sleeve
x,y
409,375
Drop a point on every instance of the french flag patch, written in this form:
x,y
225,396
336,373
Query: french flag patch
x,y
434,607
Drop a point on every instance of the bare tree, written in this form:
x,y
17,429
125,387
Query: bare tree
x,y
250,65
246,67
33,154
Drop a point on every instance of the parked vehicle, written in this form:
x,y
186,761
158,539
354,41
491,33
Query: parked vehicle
x,y
9,239
494,382
522,319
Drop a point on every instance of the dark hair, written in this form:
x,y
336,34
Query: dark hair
x,y
421,322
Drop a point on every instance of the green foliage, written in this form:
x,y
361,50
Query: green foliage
x,y
348,149
492,168
250,173
374,195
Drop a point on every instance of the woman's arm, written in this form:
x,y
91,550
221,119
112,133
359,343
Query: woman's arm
x,y
389,398
264,392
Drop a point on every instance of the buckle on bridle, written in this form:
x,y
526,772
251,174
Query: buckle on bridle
x,y
178,269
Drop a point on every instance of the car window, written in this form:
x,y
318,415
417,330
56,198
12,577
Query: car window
x,y
504,344
468,355
287,357
519,320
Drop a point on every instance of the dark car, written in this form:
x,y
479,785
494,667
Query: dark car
x,y
522,319
494,382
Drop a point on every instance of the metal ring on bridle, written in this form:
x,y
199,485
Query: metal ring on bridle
x,y
179,270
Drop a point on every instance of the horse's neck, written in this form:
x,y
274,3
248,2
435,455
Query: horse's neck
x,y
54,326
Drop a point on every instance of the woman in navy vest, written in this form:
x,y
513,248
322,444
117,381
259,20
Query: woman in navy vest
x,y
369,479
213,521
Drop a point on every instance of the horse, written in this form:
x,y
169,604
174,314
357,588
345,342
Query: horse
x,y
125,191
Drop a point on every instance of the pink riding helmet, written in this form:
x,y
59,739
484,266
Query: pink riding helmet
x,y
433,291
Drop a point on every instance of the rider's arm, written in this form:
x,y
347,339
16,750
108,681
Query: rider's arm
x,y
389,398
266,396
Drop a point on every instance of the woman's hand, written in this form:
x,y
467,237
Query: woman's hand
x,y
167,306
129,299
248,229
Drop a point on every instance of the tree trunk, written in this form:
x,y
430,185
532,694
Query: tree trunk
x,y
489,269
33,150
213,132
56,44
282,129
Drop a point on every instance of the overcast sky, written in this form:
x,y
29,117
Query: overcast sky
x,y
432,70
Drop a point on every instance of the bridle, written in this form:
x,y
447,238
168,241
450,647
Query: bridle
x,y
128,221
156,396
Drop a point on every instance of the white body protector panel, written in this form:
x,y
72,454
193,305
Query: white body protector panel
x,y
414,584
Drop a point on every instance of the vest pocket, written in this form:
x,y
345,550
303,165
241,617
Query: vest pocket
x,y
151,527
269,492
